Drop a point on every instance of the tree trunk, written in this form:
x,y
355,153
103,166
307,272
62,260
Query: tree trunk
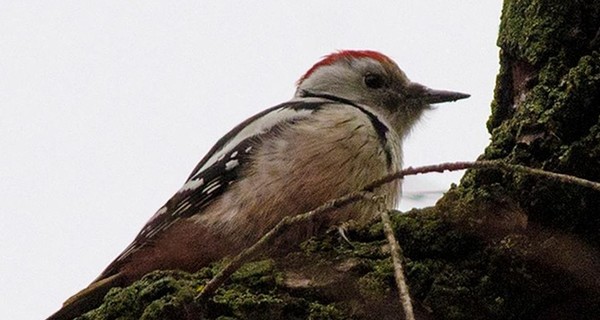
x,y
499,246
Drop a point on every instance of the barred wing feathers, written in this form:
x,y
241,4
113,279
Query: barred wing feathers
x,y
220,168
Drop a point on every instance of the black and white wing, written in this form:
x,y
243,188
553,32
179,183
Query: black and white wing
x,y
219,169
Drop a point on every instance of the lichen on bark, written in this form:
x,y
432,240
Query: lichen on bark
x,y
498,246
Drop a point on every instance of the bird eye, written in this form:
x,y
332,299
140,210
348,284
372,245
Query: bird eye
x,y
374,81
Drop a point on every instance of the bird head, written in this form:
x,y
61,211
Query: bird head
x,y
371,78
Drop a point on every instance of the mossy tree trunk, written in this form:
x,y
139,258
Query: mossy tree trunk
x,y
542,237
498,246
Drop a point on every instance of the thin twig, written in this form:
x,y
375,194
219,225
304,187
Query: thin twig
x,y
483,164
396,253
249,253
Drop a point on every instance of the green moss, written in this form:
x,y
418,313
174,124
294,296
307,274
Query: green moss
x,y
377,283
554,128
545,113
248,305
502,104
256,274
535,30
325,312
159,295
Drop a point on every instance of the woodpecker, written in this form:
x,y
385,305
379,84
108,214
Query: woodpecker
x,y
342,129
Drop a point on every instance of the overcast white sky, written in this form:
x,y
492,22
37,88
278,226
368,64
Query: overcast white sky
x,y
106,106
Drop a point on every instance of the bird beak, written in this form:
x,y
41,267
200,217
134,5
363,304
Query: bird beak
x,y
432,96
438,96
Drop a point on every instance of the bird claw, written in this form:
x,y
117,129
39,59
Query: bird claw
x,y
342,232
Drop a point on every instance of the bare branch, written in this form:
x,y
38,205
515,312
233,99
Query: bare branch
x,y
396,253
483,164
